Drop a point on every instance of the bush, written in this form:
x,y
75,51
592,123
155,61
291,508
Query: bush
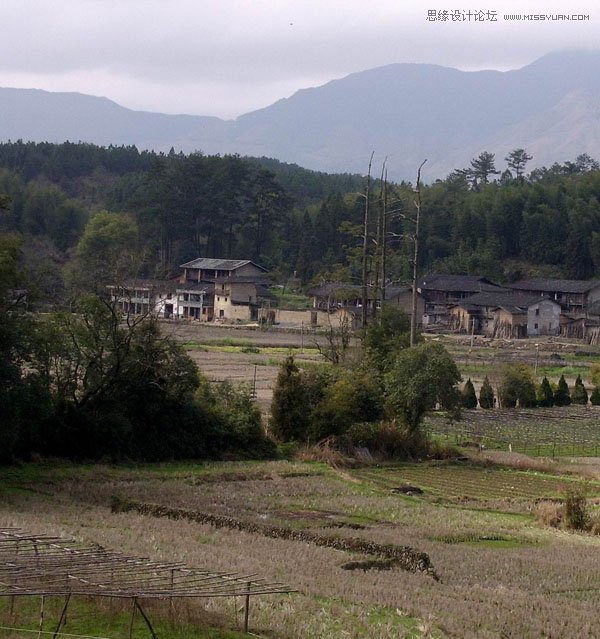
x,y
468,398
517,387
545,395
387,440
580,395
486,394
576,513
595,396
562,397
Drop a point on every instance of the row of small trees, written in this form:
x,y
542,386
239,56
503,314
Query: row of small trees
x,y
517,387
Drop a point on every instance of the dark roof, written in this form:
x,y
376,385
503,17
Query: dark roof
x,y
331,288
217,264
550,285
394,291
515,303
355,290
458,283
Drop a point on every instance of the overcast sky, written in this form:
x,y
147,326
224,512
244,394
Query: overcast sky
x,y
228,57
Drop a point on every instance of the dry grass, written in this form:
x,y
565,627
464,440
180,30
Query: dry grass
x,y
502,574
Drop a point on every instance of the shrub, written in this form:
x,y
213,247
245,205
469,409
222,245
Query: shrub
x,y
576,513
545,396
486,394
580,395
468,398
385,440
595,396
562,397
550,514
517,386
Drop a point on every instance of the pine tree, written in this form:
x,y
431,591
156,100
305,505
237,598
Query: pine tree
x,y
545,395
290,418
468,398
595,396
486,394
580,395
562,396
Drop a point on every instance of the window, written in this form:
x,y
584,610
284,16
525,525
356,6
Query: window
x,y
537,311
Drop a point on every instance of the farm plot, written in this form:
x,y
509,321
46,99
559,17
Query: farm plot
x,y
497,570
476,486
549,432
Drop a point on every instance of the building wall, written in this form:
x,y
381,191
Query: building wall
x,y
229,312
403,301
543,318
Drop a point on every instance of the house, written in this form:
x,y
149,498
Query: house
x,y
544,317
575,296
209,269
401,297
145,296
332,296
195,300
441,292
507,315
241,298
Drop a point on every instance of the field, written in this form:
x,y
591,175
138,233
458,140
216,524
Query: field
x,y
430,549
335,537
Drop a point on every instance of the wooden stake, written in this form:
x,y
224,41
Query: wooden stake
x,y
247,610
63,616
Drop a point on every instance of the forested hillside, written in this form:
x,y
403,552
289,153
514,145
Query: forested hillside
x,y
84,211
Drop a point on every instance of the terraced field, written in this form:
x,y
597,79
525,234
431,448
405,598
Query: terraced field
x,y
464,559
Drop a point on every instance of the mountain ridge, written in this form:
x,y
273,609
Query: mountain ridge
x,y
406,111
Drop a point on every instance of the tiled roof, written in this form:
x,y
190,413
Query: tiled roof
x,y
550,285
216,264
459,283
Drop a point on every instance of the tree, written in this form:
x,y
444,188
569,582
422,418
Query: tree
x,y
106,253
517,159
580,395
562,396
290,417
486,394
517,387
117,388
482,167
595,396
545,396
468,396
384,338
418,379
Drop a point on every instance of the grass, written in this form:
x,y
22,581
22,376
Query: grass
x,y
498,567
108,618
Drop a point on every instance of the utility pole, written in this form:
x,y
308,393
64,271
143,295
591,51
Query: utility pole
x,y
365,297
413,317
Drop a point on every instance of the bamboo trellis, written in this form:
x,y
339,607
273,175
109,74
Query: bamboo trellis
x,y
54,566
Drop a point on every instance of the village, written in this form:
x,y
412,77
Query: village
x,y
227,291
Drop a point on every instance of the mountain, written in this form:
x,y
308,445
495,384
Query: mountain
x,y
407,112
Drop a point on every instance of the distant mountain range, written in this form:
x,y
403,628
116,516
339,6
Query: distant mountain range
x,y
407,112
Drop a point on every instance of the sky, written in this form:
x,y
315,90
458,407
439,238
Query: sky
x,y
227,57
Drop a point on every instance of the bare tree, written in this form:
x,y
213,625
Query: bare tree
x,y
413,316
